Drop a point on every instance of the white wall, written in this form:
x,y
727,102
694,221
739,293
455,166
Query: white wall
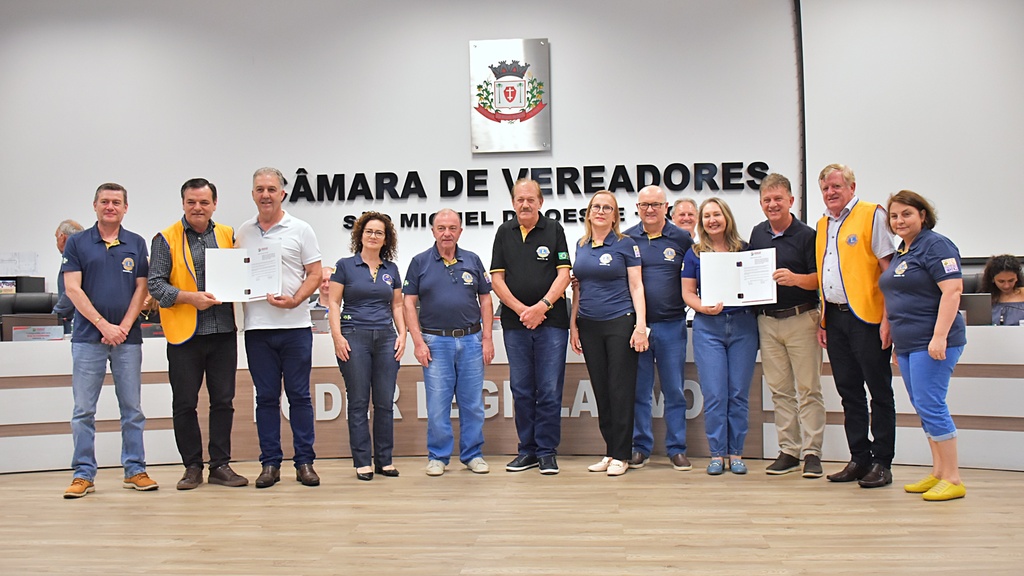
x,y
923,95
150,94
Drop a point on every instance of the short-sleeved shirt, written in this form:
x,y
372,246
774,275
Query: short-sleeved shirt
x,y
366,301
881,245
662,258
299,248
449,294
1008,314
530,266
794,251
109,278
910,287
603,279
691,269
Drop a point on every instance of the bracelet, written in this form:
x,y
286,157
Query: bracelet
x,y
547,303
97,320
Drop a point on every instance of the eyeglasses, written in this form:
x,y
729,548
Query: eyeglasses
x,y
599,208
649,205
374,233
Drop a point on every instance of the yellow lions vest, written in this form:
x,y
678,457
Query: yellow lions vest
x,y
858,265
179,321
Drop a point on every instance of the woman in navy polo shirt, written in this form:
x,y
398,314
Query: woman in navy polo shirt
x,y
922,289
1005,282
725,342
365,339
608,324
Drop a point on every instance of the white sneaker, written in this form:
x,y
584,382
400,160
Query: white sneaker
x,y
617,468
600,466
478,466
435,468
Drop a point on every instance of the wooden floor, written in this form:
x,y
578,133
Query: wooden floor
x,y
650,521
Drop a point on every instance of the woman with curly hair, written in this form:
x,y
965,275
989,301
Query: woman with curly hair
x,y
1004,280
368,329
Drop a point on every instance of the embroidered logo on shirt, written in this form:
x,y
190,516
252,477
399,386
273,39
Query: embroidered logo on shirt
x,y
851,239
636,251
670,254
605,259
128,264
467,278
543,252
900,269
563,255
950,265
387,279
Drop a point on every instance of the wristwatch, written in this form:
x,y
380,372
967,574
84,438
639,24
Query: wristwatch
x,y
547,303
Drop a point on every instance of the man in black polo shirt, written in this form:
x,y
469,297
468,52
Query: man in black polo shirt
x,y
790,355
529,274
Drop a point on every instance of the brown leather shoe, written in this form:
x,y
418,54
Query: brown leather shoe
x,y
304,473
268,477
192,478
639,460
877,477
853,471
225,476
681,462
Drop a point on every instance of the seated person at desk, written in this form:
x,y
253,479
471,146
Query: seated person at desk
x,y
1003,279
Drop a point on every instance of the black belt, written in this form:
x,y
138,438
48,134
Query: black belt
x,y
839,307
781,313
453,332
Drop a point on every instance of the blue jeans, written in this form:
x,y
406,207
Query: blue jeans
x,y
536,368
371,369
725,349
89,367
273,355
456,370
927,382
668,352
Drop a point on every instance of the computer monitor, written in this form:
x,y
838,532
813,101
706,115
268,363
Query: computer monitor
x,y
977,308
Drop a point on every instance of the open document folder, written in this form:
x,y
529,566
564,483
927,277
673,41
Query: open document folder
x,y
244,274
738,278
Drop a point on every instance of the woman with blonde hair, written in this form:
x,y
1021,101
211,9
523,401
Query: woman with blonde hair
x,y
725,342
608,324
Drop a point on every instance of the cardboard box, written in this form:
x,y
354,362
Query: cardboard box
x,y
10,321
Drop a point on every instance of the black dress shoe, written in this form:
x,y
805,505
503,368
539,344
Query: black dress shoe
x,y
225,476
389,472
853,471
304,473
365,476
877,477
268,477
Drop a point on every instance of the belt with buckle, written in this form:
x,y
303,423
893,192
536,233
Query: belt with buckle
x,y
839,307
453,332
790,312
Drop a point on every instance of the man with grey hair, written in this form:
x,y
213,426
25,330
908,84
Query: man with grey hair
x,y
278,335
451,332
684,215
64,309
662,246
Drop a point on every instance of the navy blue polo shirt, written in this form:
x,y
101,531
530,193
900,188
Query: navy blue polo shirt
x,y
662,258
530,266
794,251
109,278
601,270
449,295
910,287
691,269
366,301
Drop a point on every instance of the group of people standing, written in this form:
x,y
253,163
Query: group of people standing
x,y
628,317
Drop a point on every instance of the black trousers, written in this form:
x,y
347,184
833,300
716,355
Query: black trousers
x,y
216,357
611,364
857,358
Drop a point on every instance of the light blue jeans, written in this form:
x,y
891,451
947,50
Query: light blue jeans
x,y
668,354
725,349
456,370
89,367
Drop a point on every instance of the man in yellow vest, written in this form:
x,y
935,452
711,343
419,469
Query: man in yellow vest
x,y
200,333
852,248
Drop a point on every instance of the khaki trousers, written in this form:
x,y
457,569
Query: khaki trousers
x,y
791,360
